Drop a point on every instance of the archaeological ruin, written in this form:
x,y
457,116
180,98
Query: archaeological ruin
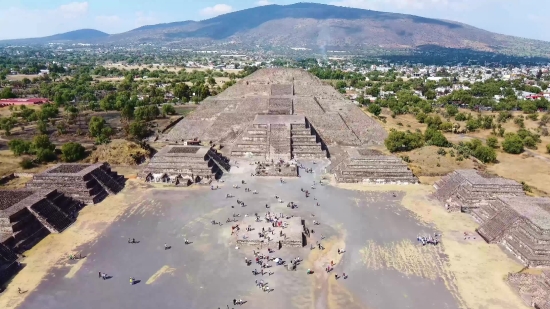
x,y
8,264
184,165
279,114
466,190
533,288
258,232
368,166
28,215
89,183
521,224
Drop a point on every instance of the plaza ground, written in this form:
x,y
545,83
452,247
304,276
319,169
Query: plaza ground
x,y
387,268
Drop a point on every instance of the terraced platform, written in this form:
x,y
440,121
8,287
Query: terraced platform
x,y
89,183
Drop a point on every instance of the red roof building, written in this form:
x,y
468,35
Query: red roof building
x,y
29,101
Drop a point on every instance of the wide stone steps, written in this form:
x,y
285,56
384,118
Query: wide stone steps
x,y
493,229
523,253
55,219
386,179
300,132
532,247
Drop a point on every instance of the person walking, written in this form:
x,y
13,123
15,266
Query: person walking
x,y
165,246
99,274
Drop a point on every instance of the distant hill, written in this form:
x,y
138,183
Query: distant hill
x,y
82,35
320,26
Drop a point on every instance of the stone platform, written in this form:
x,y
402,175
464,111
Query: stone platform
x,y
293,233
363,165
184,165
8,264
89,183
279,169
534,289
519,223
466,190
28,215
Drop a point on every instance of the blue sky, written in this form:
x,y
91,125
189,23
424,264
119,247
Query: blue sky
x,y
36,18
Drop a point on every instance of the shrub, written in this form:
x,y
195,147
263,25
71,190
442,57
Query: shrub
x,y
375,109
529,142
452,153
168,109
526,187
504,116
400,124
138,129
20,147
519,122
459,158
452,110
45,155
485,154
436,138
72,152
512,144
472,125
548,148
403,141
421,117
408,160
26,163
460,117
492,142
441,152
533,116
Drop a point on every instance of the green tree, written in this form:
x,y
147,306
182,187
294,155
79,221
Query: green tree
x,y
6,93
452,110
99,129
42,127
72,152
492,142
485,154
435,138
45,155
168,109
403,141
138,129
7,124
512,144
42,142
375,109
529,142
20,147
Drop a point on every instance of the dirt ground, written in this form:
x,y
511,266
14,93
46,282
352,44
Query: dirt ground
x,y
55,248
478,268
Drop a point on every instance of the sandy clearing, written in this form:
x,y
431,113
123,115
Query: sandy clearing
x,y
477,269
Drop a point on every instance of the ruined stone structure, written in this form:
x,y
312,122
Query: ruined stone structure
x,y
466,190
534,289
183,165
279,137
521,224
8,264
279,114
367,166
89,183
293,233
28,215
285,169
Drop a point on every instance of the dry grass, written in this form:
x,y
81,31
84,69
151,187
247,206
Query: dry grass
x,y
168,68
535,171
9,164
472,270
21,77
119,152
426,162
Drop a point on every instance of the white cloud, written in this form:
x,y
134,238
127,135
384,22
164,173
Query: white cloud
x,y
108,19
40,22
216,10
263,2
73,9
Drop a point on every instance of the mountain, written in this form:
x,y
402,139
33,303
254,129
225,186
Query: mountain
x,y
82,35
321,27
